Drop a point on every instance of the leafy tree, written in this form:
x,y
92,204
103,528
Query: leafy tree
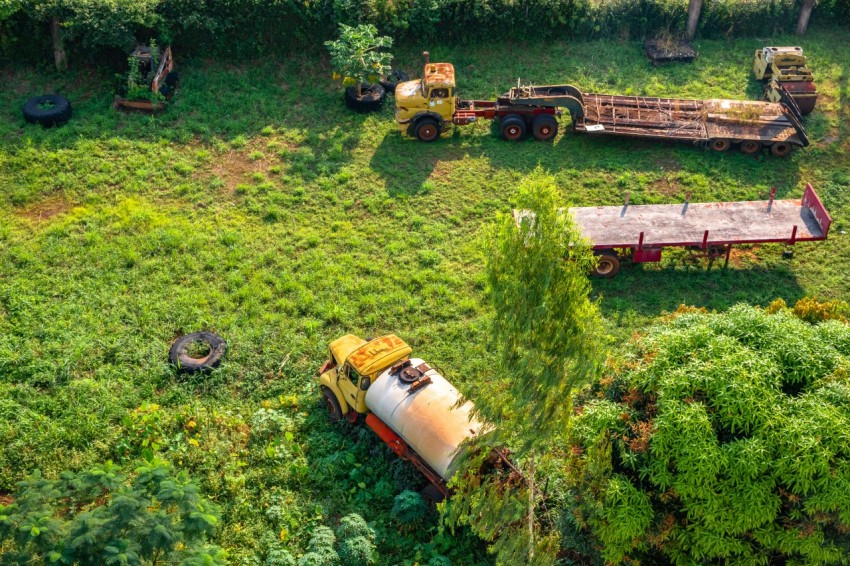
x,y
93,24
723,438
102,516
547,334
409,508
357,57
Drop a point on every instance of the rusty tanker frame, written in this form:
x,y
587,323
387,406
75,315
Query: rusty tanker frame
x,y
718,124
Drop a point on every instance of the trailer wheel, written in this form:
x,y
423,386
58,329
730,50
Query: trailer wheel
x,y
331,404
750,147
607,267
780,149
720,144
544,127
427,129
513,128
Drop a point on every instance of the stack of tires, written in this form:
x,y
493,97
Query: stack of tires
x,y
373,95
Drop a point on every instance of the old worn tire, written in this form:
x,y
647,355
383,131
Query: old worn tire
x,y
172,79
331,404
371,100
426,129
512,128
57,114
392,79
780,149
750,147
607,267
720,144
179,356
544,127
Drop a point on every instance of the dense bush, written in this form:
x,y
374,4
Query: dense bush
x,y
101,516
723,438
255,26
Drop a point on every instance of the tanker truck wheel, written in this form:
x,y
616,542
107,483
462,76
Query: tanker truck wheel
x,y
432,496
331,404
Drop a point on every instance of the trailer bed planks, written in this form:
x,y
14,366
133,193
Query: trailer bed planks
x,y
705,224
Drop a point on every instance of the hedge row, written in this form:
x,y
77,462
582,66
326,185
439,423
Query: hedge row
x,y
247,27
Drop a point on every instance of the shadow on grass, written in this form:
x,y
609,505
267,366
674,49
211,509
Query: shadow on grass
x,y
646,290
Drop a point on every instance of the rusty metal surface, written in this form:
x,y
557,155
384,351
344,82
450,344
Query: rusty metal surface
x,y
686,224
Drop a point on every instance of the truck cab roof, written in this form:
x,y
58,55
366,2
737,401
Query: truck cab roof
x,y
439,75
369,357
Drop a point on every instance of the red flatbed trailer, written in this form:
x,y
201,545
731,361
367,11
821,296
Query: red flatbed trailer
x,y
708,230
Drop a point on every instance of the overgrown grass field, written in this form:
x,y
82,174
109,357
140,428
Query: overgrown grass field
x,y
257,206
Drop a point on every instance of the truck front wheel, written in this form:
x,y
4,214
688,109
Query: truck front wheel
x,y
544,127
427,130
332,405
513,128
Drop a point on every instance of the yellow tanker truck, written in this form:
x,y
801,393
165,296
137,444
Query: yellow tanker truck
x,y
405,401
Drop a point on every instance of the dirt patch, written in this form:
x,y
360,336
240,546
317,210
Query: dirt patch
x,y
46,209
739,256
6,499
666,186
235,166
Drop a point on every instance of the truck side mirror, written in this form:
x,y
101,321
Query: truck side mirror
x,y
365,382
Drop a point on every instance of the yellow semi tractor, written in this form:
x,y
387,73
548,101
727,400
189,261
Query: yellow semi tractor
x,y
405,401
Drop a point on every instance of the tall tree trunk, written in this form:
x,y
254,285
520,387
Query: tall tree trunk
x,y
58,49
805,13
694,8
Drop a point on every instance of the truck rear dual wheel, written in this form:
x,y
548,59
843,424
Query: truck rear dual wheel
x,y
513,127
544,127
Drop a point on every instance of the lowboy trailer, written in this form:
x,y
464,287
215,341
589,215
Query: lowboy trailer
x,y
425,106
706,230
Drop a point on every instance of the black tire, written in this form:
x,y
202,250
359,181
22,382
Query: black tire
x,y
720,144
432,496
750,147
427,130
607,267
172,79
392,79
544,127
332,405
179,356
48,110
512,128
371,99
780,149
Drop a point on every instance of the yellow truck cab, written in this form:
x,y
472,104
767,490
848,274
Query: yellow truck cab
x,y
352,365
425,105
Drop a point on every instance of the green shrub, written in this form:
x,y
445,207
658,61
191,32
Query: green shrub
x,y
724,438
354,525
279,557
409,507
356,551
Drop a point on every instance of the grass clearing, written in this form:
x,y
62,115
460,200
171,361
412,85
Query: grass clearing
x,y
258,207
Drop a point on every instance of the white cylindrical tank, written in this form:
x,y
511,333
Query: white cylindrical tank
x,y
427,418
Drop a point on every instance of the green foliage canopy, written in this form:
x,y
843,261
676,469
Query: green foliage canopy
x,y
724,437
357,57
102,516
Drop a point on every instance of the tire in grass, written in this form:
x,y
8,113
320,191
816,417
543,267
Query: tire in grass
x,y
172,79
780,149
184,360
48,110
544,127
372,96
392,79
750,147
